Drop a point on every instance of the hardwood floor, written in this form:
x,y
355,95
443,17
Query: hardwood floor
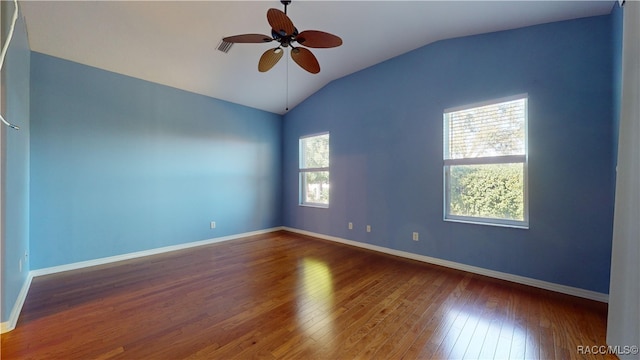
x,y
287,296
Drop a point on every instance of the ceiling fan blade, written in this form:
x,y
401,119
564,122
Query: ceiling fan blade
x,y
248,38
280,22
269,59
305,59
318,39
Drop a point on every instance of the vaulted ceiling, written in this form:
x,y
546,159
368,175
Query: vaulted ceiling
x,y
175,42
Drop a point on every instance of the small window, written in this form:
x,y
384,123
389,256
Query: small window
x,y
314,170
485,163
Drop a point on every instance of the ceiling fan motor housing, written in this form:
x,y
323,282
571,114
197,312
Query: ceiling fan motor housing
x,y
284,40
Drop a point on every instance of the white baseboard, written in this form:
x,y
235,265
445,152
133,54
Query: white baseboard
x,y
587,294
17,307
138,254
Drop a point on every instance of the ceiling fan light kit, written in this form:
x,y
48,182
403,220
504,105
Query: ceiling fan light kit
x,y
285,33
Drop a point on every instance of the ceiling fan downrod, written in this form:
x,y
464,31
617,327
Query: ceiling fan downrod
x,y
285,3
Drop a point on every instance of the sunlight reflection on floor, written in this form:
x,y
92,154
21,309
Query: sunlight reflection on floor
x,y
472,335
315,299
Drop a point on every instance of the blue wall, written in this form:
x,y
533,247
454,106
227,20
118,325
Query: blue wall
x,y
386,150
15,166
120,165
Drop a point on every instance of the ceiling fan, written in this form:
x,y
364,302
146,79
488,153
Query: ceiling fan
x,y
284,32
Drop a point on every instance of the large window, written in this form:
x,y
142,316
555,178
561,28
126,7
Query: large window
x,y
314,170
485,163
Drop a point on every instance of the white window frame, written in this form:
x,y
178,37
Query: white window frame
x,y
509,159
302,171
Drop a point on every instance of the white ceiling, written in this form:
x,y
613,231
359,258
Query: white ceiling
x,y
174,42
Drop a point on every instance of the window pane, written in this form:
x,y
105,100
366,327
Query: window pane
x,y
314,186
314,152
488,191
491,130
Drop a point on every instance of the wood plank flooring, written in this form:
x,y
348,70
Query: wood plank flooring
x,y
287,296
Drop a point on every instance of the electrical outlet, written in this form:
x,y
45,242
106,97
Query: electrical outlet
x,y
416,236
368,228
213,224
350,226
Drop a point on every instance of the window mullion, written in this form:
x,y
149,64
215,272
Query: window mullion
x,y
509,159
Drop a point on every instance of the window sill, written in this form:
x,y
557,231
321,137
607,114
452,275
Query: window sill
x,y
318,206
523,226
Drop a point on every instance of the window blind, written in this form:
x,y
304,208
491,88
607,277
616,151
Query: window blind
x,y
486,131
